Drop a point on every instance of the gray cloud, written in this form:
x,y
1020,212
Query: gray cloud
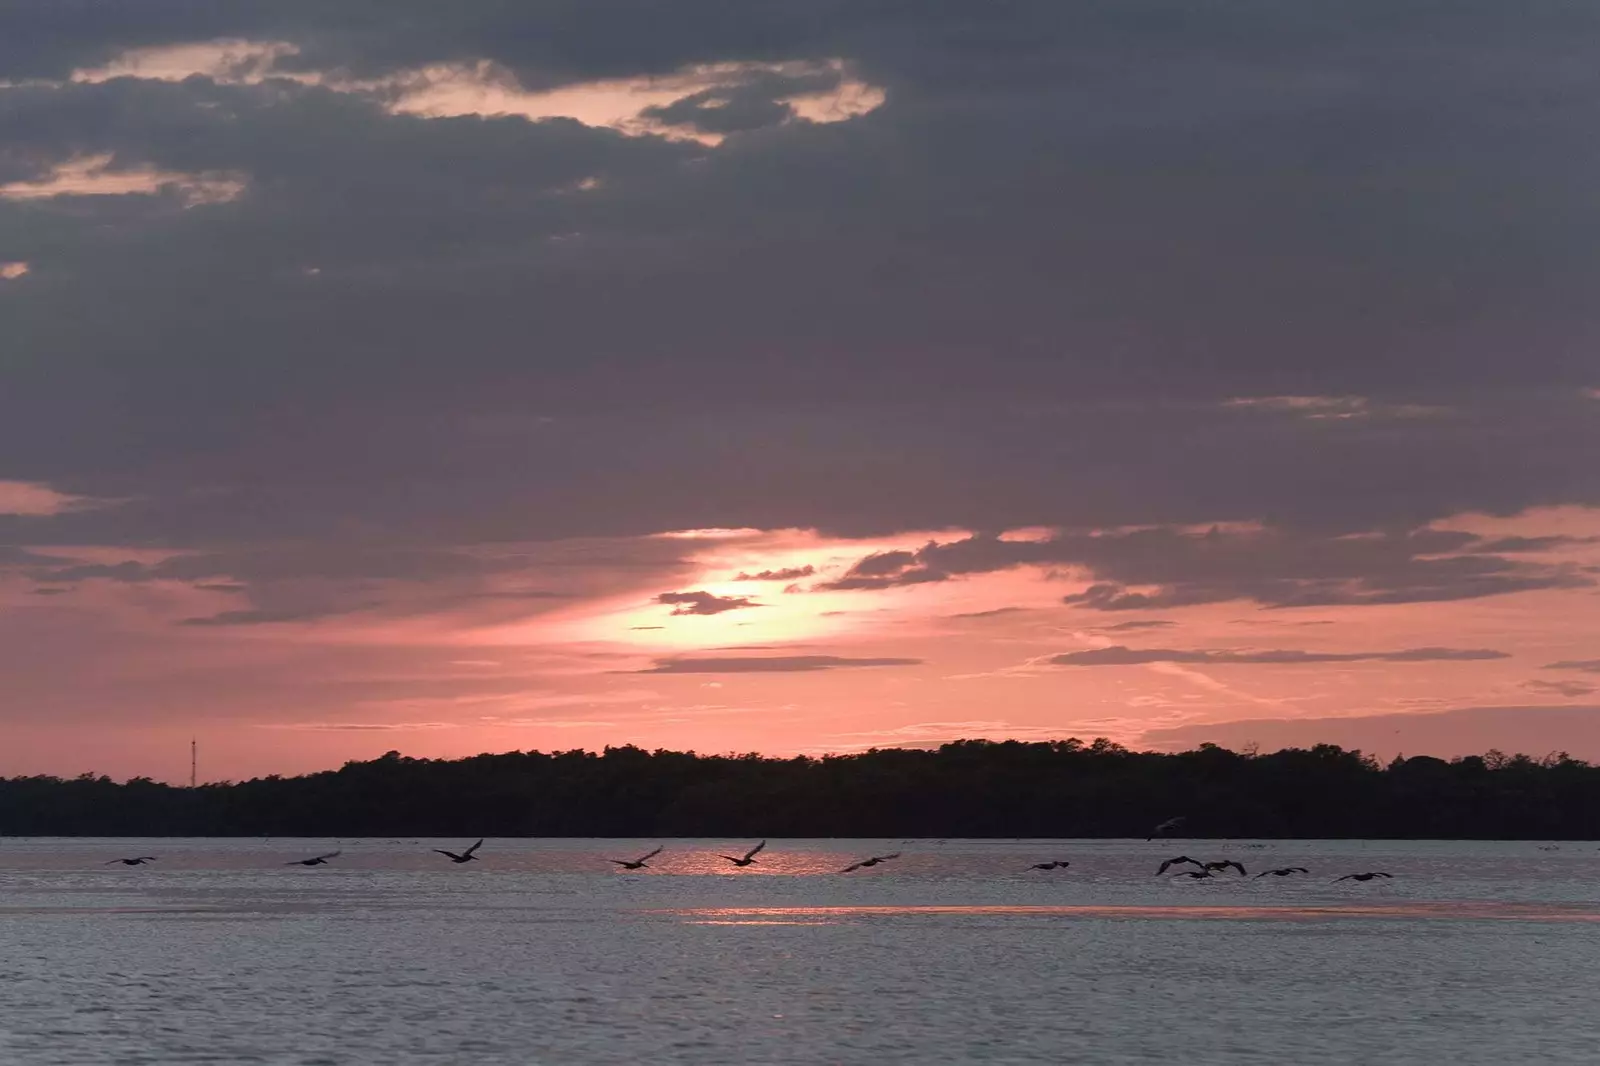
x,y
1570,689
704,603
1123,656
792,573
1277,567
769,664
1588,666
258,617
1137,625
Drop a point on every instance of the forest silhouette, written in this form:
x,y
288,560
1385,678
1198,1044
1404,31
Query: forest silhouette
x,y
970,788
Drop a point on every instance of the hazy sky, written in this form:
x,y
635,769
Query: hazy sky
x,y
795,376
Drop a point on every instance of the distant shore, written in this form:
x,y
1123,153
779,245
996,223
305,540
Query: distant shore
x,y
967,789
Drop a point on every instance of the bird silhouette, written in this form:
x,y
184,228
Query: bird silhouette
x,y
138,861
873,861
465,856
749,856
1059,864
315,860
1166,827
1362,877
639,863
1173,862
1283,871
1223,865
1197,874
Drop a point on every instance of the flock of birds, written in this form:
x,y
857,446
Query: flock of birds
x,y
1202,869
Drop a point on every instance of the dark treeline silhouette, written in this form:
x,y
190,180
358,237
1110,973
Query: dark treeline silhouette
x,y
965,789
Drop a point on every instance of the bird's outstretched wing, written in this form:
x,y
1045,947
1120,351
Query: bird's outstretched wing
x,y
112,862
447,854
1235,865
474,847
652,855
1298,870
753,852
1174,862
620,862
1382,875
1346,877
886,858
853,867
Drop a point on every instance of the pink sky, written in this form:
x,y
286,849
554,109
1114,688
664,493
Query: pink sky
x,y
740,381
568,646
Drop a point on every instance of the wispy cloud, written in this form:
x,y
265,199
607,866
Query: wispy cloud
x,y
770,664
1119,655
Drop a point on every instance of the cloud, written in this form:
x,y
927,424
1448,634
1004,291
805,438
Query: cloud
x,y
258,617
1124,656
1588,666
1570,689
1137,625
792,573
996,612
34,499
1164,567
704,603
776,664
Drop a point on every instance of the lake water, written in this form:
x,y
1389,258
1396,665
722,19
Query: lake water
x,y
954,953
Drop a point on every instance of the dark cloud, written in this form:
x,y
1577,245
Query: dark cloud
x,y
47,590
791,573
1137,625
769,664
1570,689
1123,656
704,603
997,612
1277,567
322,561
1026,290
266,617
1588,666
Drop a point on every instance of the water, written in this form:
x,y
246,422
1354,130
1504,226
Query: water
x,y
954,953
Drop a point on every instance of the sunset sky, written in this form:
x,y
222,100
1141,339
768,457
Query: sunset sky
x,y
795,376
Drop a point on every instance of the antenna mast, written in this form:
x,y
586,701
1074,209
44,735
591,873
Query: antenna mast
x,y
193,759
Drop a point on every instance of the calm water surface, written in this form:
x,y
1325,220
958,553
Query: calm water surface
x,y
219,953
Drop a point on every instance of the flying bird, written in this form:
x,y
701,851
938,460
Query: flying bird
x,y
1181,858
465,856
1197,874
315,860
1283,871
139,861
749,856
1362,877
639,863
1166,827
1223,865
875,860
1059,864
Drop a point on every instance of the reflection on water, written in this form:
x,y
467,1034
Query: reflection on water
x,y
956,953
1465,911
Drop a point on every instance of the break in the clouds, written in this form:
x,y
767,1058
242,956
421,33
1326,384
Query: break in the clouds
x,y
342,338
1122,656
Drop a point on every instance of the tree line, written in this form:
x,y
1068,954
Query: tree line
x,y
970,788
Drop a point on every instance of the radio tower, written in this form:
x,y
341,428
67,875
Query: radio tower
x,y
193,758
